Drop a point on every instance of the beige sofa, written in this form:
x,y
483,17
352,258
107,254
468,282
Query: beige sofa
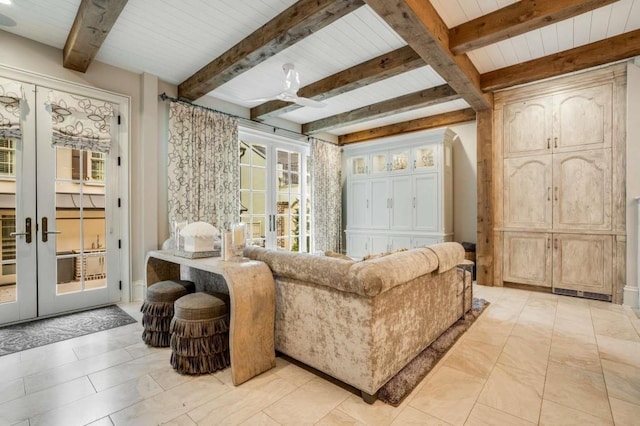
x,y
362,322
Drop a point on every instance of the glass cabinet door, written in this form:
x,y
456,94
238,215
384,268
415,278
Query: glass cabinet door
x,y
399,161
359,166
379,163
425,157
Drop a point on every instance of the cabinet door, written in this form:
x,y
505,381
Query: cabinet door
x,y
379,244
379,163
582,262
397,242
527,127
425,158
357,245
401,213
527,258
359,166
379,195
399,161
427,203
582,119
425,241
527,192
582,190
358,215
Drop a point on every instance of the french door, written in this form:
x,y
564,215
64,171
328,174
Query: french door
x,y
275,191
60,220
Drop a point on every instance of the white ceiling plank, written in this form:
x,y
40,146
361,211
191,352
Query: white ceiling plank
x,y
481,60
600,23
549,36
471,9
620,12
497,59
565,34
581,29
521,46
633,23
534,41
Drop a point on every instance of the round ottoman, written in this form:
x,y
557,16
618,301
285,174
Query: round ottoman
x,y
157,310
200,334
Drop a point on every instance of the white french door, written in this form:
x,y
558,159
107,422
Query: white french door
x,y
275,191
60,221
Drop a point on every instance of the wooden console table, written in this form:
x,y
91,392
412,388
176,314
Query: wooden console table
x,y
252,312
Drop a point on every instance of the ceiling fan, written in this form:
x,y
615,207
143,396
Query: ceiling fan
x,y
290,90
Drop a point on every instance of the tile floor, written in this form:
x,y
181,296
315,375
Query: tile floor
x,y
531,358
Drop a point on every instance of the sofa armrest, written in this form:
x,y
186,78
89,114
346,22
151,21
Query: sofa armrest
x,y
449,255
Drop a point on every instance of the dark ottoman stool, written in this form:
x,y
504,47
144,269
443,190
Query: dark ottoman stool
x,y
200,334
157,310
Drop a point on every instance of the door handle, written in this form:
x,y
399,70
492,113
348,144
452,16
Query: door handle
x,y
26,234
556,193
45,230
548,143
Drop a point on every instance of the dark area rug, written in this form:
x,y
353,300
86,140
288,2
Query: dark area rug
x,y
14,338
401,385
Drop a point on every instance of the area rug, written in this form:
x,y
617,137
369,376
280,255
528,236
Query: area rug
x,y
401,385
18,337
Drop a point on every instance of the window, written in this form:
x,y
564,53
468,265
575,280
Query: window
x,y
93,166
7,158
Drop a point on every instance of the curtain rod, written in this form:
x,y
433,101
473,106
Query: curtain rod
x,y
163,96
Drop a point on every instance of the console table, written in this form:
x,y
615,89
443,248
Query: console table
x,y
252,312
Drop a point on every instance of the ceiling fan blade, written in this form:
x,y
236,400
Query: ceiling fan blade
x,y
261,100
309,102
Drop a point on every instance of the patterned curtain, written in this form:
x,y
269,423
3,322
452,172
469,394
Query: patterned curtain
x,y
10,96
79,122
204,166
326,163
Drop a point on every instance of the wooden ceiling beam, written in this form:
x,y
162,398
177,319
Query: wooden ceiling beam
x,y
384,66
515,19
421,99
419,24
291,26
92,24
425,123
602,52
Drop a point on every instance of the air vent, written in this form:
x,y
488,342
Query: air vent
x,y
585,294
565,291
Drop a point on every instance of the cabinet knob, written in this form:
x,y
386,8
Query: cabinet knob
x,y
555,193
548,143
555,142
548,193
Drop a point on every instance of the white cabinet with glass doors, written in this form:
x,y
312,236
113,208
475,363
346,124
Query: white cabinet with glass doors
x,y
400,197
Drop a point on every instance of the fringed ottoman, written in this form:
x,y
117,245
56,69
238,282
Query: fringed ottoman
x,y
157,310
200,334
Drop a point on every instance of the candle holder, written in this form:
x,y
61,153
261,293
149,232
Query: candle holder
x,y
238,238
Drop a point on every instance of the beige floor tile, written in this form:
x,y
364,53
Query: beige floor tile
x,y
171,404
338,417
618,350
475,358
622,381
378,413
260,419
73,370
577,329
514,391
126,371
6,361
624,413
22,423
577,388
141,349
413,416
573,312
169,378
619,328
241,402
292,373
553,414
308,404
573,352
449,395
37,362
99,405
40,402
105,421
126,336
483,415
183,420
528,354
11,389
489,331
502,313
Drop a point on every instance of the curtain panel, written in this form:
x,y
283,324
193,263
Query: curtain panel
x,y
327,196
80,122
11,94
203,166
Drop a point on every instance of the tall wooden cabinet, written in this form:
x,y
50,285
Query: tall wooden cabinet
x,y
560,175
399,192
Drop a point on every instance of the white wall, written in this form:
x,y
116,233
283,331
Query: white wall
x,y
631,296
465,200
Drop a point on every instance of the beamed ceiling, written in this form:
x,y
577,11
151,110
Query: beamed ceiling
x,y
382,67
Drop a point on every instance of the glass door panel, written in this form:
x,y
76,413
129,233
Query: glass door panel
x,y
253,183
